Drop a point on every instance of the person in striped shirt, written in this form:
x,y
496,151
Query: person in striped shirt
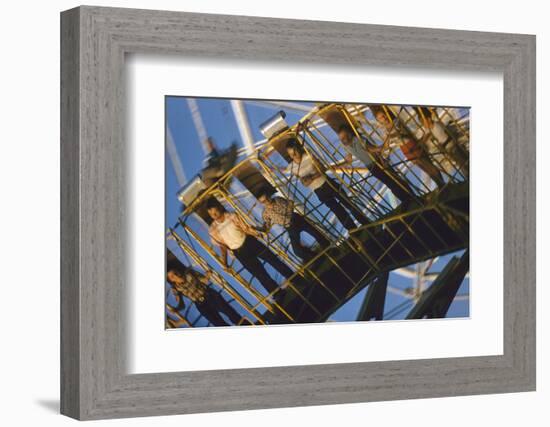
x,y
196,287
278,210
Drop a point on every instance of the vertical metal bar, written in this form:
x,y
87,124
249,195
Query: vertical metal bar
x,y
174,157
243,124
199,124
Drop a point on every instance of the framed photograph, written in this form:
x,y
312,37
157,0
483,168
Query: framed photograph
x,y
311,204
262,213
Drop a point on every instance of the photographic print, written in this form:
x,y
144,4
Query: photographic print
x,y
292,212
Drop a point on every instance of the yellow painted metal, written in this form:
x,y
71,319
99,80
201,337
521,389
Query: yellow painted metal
x,y
216,277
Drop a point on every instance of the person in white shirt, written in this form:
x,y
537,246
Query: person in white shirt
x,y
441,146
328,191
234,235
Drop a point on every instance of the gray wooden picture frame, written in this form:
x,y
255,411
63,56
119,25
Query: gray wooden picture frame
x,y
94,41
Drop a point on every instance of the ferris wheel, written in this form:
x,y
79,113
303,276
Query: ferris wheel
x,y
409,260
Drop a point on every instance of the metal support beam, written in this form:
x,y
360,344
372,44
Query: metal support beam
x,y
409,273
437,299
373,304
243,124
277,105
199,124
174,157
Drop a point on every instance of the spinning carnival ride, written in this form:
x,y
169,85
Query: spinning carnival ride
x,y
405,239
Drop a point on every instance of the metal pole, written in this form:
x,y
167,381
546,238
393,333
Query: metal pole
x,y
281,104
174,157
244,126
199,124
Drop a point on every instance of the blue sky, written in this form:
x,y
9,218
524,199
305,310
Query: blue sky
x,y
220,124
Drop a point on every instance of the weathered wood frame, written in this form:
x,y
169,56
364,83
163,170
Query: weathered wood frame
x,y
94,42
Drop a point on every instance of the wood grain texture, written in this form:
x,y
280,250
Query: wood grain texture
x,y
70,292
94,269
